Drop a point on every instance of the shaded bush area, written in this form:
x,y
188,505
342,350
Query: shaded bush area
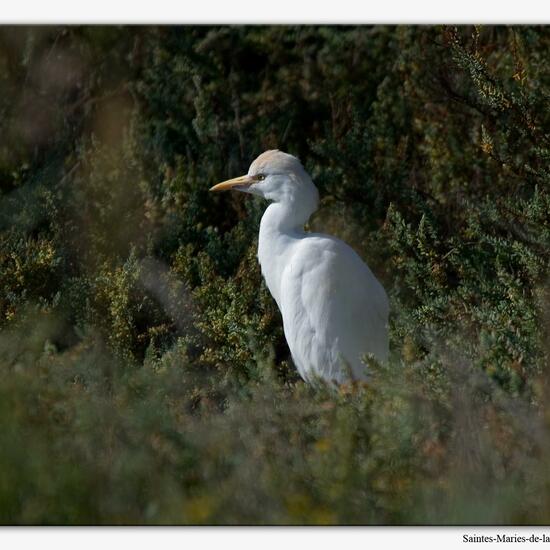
x,y
144,376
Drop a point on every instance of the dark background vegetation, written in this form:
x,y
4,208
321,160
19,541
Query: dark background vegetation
x,y
144,377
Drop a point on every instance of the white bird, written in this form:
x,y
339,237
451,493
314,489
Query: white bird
x,y
334,309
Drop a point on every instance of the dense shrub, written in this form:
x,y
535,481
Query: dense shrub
x,y
144,376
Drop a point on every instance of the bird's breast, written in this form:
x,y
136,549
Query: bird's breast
x,y
274,255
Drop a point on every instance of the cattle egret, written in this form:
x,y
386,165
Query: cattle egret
x,y
334,310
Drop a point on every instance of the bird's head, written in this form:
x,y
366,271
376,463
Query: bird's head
x,y
278,177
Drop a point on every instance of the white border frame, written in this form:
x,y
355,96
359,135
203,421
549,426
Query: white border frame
x,y
275,11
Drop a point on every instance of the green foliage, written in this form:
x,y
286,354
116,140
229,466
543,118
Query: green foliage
x,y
144,376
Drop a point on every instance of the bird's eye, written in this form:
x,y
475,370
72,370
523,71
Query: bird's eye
x,y
260,177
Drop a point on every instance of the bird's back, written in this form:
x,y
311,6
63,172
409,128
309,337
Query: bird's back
x,y
334,310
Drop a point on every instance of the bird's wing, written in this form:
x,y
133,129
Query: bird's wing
x,y
334,301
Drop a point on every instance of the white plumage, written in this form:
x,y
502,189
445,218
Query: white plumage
x,y
334,309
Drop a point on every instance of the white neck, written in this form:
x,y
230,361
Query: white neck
x,y
282,226
284,217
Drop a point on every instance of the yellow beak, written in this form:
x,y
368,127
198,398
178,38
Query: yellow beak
x,y
241,181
